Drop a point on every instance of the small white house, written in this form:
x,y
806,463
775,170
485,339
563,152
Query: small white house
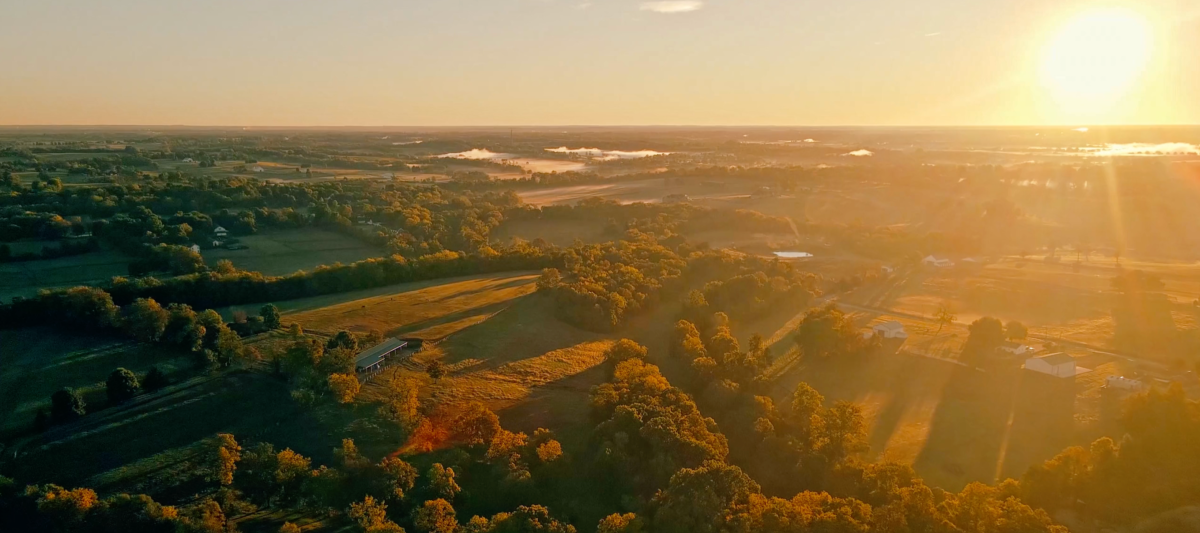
x,y
1124,383
220,231
188,160
256,168
1016,348
889,330
195,248
937,263
1059,365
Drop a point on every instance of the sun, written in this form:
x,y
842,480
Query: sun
x,y
1097,57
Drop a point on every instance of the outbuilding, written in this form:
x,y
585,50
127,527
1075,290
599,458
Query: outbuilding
x,y
220,232
1124,383
890,330
1016,348
1059,365
372,359
936,262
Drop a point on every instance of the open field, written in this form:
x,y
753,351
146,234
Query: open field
x,y
150,444
1056,300
280,252
533,369
425,309
26,277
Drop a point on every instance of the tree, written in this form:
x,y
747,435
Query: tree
x,y
371,515
944,317
270,316
986,334
343,339
436,516
624,350
398,476
827,332
401,403
345,387
844,431
222,455
442,483
621,523
122,385
475,425
289,527
67,405
698,500
1016,330
145,320
436,369
154,380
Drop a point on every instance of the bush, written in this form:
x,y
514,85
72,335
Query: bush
x,y
122,385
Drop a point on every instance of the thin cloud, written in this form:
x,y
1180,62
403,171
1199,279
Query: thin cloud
x,y
672,6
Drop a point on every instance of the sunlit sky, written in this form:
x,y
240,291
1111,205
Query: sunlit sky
x,y
599,62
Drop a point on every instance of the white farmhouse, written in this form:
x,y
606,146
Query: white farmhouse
x,y
195,248
1059,365
938,263
220,232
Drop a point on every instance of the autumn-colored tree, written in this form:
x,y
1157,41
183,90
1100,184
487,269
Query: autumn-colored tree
x,y
144,320
442,483
401,403
436,516
222,455
475,425
624,350
436,369
621,523
345,387
397,477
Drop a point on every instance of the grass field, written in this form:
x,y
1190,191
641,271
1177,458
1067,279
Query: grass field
x,y
424,309
279,252
34,363
26,277
522,362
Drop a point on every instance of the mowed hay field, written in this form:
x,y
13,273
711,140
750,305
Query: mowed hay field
x,y
533,369
280,252
428,310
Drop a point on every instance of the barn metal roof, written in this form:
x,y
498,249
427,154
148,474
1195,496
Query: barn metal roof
x,y
375,354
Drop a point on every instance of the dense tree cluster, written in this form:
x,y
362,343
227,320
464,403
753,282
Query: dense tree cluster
x,y
600,284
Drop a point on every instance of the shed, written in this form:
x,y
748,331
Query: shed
x,y
1059,365
1124,383
936,262
890,330
372,359
1016,348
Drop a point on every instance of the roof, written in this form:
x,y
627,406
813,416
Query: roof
x,y
219,228
375,354
890,325
1056,359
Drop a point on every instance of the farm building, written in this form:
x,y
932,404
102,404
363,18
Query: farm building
x,y
938,263
372,359
220,231
195,248
889,330
1124,383
1016,348
1059,365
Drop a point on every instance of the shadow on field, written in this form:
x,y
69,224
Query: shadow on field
x,y
251,406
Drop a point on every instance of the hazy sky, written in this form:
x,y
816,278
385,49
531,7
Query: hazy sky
x,y
583,62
